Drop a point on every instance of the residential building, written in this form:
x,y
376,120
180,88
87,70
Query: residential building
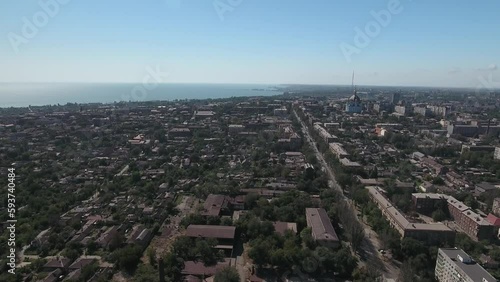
x,y
350,164
216,205
395,98
179,132
477,148
324,133
433,165
225,235
338,150
422,110
470,222
107,236
426,203
432,233
281,112
454,264
483,187
473,130
439,110
495,221
236,128
199,270
403,110
321,227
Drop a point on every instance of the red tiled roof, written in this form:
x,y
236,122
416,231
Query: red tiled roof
x,y
491,218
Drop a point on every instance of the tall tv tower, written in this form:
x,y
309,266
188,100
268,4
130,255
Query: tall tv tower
x,y
353,88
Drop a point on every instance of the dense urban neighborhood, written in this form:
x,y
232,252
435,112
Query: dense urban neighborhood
x,y
368,184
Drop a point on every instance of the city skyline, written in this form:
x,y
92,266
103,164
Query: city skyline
x,y
387,43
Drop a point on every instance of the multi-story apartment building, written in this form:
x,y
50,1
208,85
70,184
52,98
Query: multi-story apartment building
x,y
403,110
321,227
454,264
426,203
432,233
439,110
421,110
471,223
324,133
338,150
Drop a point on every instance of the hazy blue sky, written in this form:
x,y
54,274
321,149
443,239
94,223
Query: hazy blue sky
x,y
428,42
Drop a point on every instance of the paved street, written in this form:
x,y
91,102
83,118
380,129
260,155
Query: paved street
x,y
371,243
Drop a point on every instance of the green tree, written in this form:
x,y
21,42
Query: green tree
x,y
88,271
307,238
128,257
146,273
259,252
411,247
173,266
227,274
438,215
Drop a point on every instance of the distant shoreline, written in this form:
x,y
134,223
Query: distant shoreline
x,y
20,95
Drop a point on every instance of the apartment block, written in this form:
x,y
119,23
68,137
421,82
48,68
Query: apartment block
x,y
432,233
471,223
454,264
321,227
324,133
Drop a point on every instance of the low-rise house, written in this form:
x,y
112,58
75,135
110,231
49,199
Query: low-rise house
x,y
107,236
433,165
57,263
53,276
200,270
484,187
80,263
216,205
225,235
140,235
238,203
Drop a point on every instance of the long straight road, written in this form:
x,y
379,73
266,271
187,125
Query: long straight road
x,y
371,244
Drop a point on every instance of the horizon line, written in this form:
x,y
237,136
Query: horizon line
x,y
246,83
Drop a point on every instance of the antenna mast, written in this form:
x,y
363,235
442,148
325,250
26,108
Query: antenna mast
x,y
352,82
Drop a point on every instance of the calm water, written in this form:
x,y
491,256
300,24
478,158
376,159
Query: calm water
x,y
24,94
